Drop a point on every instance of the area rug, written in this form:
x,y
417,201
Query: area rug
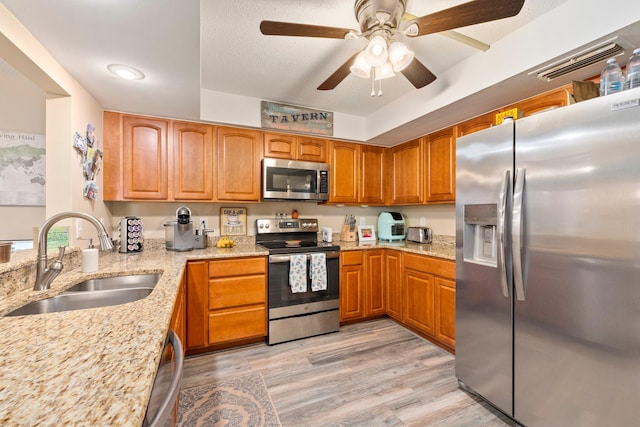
x,y
236,402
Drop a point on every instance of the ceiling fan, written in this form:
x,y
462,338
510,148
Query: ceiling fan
x,y
384,23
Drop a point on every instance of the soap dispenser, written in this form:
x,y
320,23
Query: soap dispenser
x,y
90,258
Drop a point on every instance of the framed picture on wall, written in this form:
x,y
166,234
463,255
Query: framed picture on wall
x,y
233,221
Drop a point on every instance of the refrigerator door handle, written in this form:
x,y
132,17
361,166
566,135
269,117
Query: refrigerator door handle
x,y
501,235
517,233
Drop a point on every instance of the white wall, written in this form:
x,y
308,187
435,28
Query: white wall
x,y
441,218
22,109
69,107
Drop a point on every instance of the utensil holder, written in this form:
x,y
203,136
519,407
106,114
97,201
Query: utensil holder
x,y
348,236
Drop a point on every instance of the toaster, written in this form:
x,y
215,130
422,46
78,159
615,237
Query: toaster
x,y
419,234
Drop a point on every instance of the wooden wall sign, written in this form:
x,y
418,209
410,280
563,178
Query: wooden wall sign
x,y
296,119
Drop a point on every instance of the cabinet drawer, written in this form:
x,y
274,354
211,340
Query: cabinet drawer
x,y
427,264
237,324
236,291
237,267
352,258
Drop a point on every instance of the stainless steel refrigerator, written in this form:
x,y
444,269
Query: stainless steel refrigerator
x,y
548,264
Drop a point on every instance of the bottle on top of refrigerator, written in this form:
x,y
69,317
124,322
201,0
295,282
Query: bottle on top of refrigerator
x,y
611,78
632,79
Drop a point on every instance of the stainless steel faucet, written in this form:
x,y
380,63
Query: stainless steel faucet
x,y
44,275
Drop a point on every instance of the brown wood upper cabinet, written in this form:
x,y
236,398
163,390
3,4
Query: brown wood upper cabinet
x,y
136,158
357,173
193,148
239,155
476,124
407,173
343,181
440,170
295,147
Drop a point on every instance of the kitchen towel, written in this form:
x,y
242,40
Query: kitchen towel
x,y
318,272
298,273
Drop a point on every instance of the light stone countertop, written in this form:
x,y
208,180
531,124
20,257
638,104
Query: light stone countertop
x,y
97,366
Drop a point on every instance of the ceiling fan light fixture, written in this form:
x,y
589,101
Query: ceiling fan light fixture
x,y
376,52
360,67
400,56
384,71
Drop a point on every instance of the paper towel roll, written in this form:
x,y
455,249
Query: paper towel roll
x,y
89,260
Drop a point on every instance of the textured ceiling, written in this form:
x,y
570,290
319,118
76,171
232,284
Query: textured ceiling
x,y
175,43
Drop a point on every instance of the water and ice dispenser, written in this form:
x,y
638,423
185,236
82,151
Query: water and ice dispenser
x,y
480,234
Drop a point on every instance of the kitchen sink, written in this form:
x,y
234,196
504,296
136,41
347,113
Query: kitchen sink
x,y
117,282
94,293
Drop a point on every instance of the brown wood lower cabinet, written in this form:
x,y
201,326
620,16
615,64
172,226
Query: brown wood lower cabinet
x,y
418,291
179,317
226,302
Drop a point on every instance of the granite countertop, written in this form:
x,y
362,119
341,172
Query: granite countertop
x,y
442,247
97,366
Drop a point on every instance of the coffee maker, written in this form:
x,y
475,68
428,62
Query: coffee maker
x,y
179,233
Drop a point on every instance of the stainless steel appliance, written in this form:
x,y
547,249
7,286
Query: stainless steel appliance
x,y
299,314
131,238
179,233
419,234
391,226
547,264
295,180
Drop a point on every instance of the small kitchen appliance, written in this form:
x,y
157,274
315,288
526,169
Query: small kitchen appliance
x,y
131,239
419,234
179,233
391,226
295,180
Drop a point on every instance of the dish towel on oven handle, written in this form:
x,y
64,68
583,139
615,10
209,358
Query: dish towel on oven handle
x,y
298,273
318,273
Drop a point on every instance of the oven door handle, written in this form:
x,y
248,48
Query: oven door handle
x,y
273,259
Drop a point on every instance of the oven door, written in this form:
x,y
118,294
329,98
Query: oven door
x,y
280,294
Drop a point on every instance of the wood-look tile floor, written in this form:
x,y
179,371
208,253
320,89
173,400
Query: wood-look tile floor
x,y
374,373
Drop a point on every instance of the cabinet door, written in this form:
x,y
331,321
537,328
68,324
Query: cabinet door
x,y
351,285
419,301
445,298
197,304
238,175
476,124
144,158
312,149
344,172
407,173
546,101
192,161
440,154
280,146
372,175
374,277
393,283
178,318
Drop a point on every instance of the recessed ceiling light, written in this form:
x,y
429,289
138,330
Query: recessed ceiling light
x,y
125,72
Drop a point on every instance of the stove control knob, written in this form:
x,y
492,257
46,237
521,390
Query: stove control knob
x,y
267,226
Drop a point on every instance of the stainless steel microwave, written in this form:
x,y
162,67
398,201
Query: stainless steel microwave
x,y
295,180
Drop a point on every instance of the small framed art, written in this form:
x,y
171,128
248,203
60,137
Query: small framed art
x,y
233,221
366,233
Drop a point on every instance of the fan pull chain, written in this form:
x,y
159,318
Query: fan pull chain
x,y
373,82
379,87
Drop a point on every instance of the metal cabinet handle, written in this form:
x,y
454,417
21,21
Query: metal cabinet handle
x,y
516,236
503,261
166,406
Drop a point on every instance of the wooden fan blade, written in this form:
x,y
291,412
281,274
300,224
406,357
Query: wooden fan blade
x,y
275,28
473,12
418,74
339,75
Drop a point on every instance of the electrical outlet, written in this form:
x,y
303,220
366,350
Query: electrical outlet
x,y
78,228
362,222
423,221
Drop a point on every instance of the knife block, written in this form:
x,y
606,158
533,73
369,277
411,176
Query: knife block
x,y
346,235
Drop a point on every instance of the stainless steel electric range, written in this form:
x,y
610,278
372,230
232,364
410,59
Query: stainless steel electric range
x,y
304,279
